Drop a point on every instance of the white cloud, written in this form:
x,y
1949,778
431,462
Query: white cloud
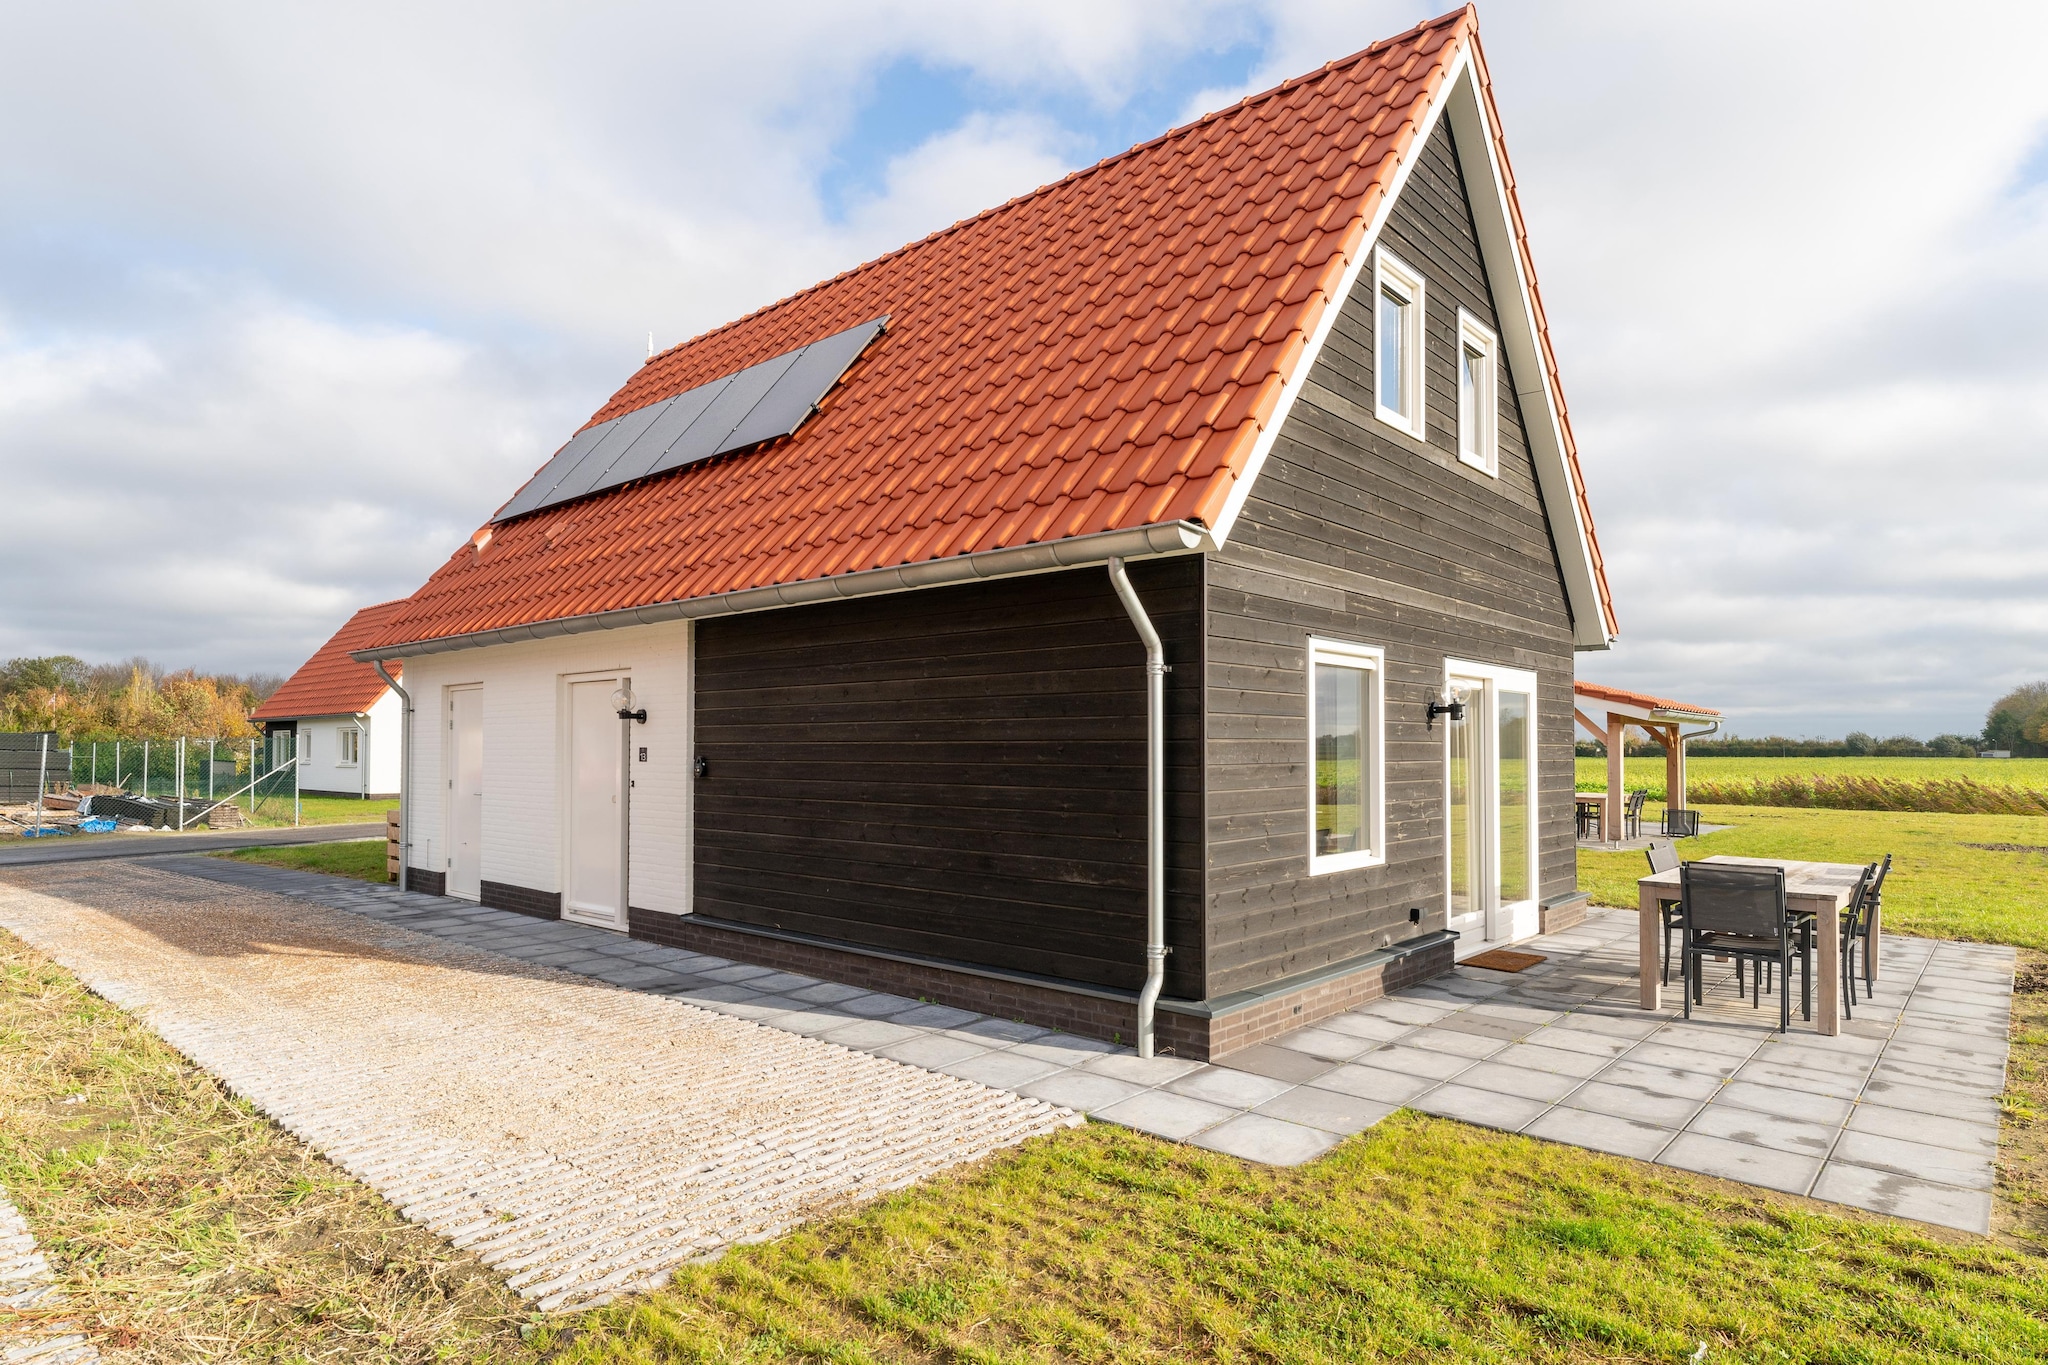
x,y
293,297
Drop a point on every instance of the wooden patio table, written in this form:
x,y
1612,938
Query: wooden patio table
x,y
1598,800
1821,890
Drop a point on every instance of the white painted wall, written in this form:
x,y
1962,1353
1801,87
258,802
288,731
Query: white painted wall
x,y
319,740
525,689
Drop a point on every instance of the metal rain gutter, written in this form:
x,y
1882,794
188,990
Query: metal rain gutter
x,y
404,774
1155,804
1143,542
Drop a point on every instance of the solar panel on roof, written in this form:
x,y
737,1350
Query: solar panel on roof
x,y
760,403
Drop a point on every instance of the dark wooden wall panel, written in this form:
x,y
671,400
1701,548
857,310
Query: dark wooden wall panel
x,y
957,772
1356,531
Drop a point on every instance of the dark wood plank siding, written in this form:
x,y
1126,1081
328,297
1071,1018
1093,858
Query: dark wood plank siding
x,y
1358,532
958,772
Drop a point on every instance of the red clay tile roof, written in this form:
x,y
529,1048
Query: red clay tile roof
x,y
1097,355
331,683
1624,697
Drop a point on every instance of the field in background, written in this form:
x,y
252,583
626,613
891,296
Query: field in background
x,y
1649,772
1940,886
1958,786
331,810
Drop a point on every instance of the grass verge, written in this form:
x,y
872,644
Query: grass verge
x,y
1421,1238
2021,1217
188,1227
1940,886
362,859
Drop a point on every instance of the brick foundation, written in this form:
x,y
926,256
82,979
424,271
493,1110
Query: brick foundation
x,y
1203,1034
1562,912
425,882
520,900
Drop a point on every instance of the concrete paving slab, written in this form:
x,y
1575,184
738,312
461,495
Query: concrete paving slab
x,y
1654,1053
1580,1040
1977,1139
1455,1042
875,1005
1367,1026
1328,1044
1282,1064
1064,1049
935,1016
1146,1071
931,1051
1547,1086
1559,1061
1774,1170
1602,1132
1001,1070
1800,1078
1765,1130
1325,1109
1082,1091
1169,1116
1486,1108
1783,1102
1370,1083
1920,1160
1904,1197
1220,1085
1920,1099
1633,1102
1415,1061
1276,1142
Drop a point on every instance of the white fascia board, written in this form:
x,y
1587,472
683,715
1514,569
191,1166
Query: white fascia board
x,y
1545,428
1541,420
1306,363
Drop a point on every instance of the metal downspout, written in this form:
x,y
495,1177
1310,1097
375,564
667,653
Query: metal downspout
x,y
1155,804
404,775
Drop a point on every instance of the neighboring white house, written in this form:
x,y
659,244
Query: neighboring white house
x,y
340,717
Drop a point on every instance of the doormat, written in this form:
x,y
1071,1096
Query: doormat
x,y
1503,960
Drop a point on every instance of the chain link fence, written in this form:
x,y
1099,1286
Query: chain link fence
x,y
189,777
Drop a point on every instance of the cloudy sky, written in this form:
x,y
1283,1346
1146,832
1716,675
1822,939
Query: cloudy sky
x,y
291,297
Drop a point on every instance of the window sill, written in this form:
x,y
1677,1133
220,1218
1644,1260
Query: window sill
x,y
1490,468
1388,417
1319,864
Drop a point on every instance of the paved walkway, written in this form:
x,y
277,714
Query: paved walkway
x,y
582,1139
1897,1114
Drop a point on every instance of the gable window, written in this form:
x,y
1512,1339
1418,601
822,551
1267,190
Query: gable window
x,y
1478,401
350,745
1397,345
1348,824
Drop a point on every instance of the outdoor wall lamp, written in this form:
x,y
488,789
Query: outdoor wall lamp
x,y
1454,709
623,700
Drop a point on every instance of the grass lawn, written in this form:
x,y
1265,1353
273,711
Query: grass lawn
x,y
362,859
326,810
188,1227
1939,886
1648,773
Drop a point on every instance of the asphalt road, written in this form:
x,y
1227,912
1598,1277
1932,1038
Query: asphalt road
x,y
78,848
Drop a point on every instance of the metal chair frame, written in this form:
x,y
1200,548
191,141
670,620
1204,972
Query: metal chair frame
x,y
1632,815
1740,931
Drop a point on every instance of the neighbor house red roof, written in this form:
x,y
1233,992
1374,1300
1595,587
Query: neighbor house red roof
x,y
1621,696
1098,355
331,683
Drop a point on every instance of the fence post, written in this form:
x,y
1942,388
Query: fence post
x,y
209,772
181,783
145,770
42,780
117,764
95,763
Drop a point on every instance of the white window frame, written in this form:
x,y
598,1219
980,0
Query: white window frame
x,y
345,738
1373,659
1474,335
1390,274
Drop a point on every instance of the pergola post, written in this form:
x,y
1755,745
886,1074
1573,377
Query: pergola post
x,y
1674,770
1610,818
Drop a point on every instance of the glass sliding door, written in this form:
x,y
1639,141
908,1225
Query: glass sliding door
x,y
1490,805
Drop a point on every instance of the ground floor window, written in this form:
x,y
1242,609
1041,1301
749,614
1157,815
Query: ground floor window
x,y
349,745
1348,823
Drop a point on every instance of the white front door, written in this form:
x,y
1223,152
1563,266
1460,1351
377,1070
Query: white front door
x,y
466,792
1490,805
590,891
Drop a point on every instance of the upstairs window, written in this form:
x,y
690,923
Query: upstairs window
x,y
1478,395
1347,826
351,740
1397,349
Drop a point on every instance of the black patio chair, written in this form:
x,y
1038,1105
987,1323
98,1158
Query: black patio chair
x,y
1738,911
1867,905
1681,824
1663,856
1854,926
1632,815
1586,815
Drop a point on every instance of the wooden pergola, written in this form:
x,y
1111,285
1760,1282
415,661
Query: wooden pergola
x,y
1658,717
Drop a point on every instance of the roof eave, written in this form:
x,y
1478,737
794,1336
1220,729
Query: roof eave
x,y
1156,541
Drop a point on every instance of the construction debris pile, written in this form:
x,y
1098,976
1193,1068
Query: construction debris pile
x,y
38,799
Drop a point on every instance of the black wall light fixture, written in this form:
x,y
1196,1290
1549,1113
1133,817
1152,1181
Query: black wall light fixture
x,y
1454,709
623,699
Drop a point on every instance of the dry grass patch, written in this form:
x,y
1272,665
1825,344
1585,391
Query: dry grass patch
x,y
189,1227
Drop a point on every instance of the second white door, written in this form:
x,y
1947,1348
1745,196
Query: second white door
x,y
466,792
590,891
1491,805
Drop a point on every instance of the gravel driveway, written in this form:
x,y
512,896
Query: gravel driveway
x,y
581,1138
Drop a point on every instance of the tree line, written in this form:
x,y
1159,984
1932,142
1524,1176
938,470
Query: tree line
x,y
134,699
